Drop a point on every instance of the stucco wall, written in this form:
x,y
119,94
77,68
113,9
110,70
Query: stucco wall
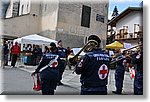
x,y
49,13
25,24
129,20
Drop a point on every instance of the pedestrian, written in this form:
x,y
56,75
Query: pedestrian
x,y
29,48
119,72
5,53
137,59
63,56
94,69
10,56
24,48
46,50
68,52
39,54
49,70
15,51
34,55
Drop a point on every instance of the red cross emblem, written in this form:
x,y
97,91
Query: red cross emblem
x,y
54,64
103,71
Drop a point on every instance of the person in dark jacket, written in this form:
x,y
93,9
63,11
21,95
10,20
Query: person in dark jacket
x,y
49,70
35,54
119,72
39,54
63,56
94,69
137,59
46,50
5,53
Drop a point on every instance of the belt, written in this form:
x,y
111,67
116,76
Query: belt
x,y
92,85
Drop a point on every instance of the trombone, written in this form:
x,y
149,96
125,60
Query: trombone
x,y
87,47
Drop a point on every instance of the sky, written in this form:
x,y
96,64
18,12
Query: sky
x,y
122,5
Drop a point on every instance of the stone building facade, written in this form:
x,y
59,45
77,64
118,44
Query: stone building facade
x,y
71,22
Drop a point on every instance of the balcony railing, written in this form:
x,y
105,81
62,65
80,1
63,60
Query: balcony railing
x,y
123,34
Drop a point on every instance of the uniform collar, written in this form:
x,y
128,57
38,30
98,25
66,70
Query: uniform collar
x,y
97,49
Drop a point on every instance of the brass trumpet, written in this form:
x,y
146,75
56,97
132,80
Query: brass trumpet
x,y
87,47
129,55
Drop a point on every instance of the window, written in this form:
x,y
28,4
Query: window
x,y
27,7
22,9
15,9
86,13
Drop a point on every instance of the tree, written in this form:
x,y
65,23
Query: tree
x,y
115,12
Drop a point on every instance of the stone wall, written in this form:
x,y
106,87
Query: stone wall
x,y
69,21
70,40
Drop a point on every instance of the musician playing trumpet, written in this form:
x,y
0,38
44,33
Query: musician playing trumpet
x,y
119,72
123,61
137,59
94,69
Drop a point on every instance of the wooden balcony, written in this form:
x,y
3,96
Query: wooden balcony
x,y
124,35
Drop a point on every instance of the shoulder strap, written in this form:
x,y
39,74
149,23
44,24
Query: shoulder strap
x,y
51,61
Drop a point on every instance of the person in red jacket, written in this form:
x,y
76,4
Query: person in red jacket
x,y
15,51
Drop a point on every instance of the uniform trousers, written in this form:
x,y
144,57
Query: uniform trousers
x,y
61,70
101,90
119,77
138,83
48,86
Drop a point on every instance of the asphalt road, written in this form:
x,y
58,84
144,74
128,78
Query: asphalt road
x,y
18,81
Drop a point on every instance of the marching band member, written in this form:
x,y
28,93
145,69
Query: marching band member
x,y
49,70
137,59
119,73
94,69
62,52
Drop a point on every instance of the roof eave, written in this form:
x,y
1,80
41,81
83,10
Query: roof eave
x,y
113,21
